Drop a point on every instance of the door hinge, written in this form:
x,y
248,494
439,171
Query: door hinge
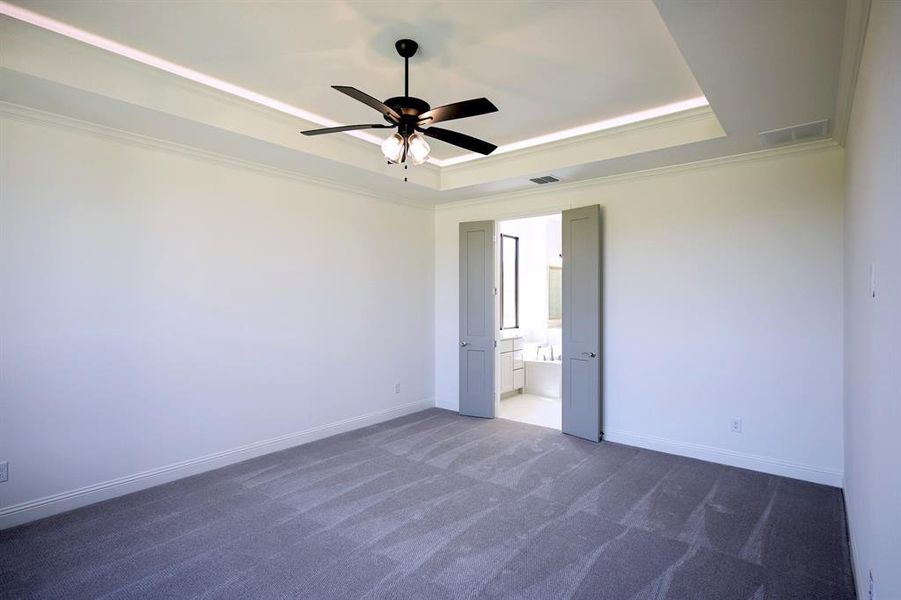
x,y
495,343
495,291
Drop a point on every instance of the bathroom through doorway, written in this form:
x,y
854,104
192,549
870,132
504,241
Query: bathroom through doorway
x,y
529,350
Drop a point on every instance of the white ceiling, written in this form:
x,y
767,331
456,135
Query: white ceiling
x,y
548,66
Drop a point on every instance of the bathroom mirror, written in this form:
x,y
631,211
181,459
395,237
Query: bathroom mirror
x,y
554,293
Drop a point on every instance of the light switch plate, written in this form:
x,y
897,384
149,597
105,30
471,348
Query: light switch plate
x,y
4,471
872,280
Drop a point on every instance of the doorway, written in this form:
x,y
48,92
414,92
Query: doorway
x,y
503,351
529,373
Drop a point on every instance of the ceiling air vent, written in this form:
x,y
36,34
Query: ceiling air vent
x,y
796,133
543,180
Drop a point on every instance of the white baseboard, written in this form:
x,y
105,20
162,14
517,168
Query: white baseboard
x,y
39,508
859,578
773,466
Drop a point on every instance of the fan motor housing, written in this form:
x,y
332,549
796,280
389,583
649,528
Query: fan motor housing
x,y
408,105
409,108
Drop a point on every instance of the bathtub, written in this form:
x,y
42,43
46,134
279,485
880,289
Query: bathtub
x,y
543,377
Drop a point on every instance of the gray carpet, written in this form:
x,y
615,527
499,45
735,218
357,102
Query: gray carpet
x,y
434,505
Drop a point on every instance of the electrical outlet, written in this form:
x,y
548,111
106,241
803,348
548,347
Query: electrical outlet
x,y
872,588
396,388
735,425
4,471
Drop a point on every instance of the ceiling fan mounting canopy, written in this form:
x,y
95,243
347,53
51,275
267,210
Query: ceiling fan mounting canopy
x,y
411,115
406,48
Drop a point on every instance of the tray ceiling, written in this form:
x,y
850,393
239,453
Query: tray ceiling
x,y
548,66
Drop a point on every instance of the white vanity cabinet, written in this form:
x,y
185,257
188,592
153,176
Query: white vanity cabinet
x,y
511,375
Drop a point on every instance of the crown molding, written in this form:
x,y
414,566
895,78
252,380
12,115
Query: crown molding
x,y
30,115
807,147
26,114
857,18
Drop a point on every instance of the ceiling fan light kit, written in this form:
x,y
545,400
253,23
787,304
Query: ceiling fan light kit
x,y
393,148
417,149
414,118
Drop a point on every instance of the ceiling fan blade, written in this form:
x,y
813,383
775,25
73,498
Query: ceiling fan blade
x,y
369,101
458,110
345,128
460,139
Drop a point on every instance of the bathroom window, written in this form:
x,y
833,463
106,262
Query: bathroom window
x,y
509,281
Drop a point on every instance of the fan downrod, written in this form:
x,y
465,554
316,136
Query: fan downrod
x,y
408,106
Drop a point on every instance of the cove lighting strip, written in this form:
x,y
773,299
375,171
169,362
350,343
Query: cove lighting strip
x,y
33,18
644,115
22,14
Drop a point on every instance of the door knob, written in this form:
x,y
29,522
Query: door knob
x,y
589,354
464,344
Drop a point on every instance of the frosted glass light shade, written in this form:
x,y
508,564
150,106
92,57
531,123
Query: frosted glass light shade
x,y
419,149
393,148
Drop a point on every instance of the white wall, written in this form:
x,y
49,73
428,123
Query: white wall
x,y
723,298
873,325
157,308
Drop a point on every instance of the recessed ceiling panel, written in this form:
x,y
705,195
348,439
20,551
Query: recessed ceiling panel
x,y
548,66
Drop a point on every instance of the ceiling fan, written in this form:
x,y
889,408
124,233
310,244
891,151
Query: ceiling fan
x,y
414,118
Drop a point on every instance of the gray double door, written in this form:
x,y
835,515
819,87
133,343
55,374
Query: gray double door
x,y
582,336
